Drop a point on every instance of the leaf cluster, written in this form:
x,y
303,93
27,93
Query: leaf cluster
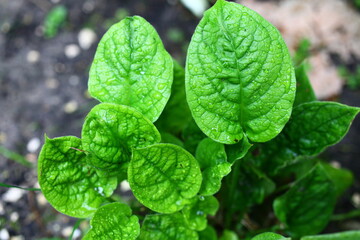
x,y
209,151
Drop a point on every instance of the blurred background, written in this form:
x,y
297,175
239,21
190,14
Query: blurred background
x,y
47,46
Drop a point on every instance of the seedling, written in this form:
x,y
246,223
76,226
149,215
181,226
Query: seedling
x,y
239,110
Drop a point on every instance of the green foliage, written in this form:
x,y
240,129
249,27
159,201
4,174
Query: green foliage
x,y
54,21
352,79
349,235
251,121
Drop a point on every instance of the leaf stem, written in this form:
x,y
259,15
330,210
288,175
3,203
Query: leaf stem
x,y
229,195
77,224
345,216
23,188
15,156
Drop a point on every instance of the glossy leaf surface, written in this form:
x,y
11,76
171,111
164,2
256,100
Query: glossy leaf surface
x,y
71,185
114,221
349,235
110,132
164,177
239,76
169,226
131,67
269,236
212,158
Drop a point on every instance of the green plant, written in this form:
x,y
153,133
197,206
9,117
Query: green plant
x,y
246,117
54,20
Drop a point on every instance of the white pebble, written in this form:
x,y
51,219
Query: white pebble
x,y
13,195
41,199
74,80
17,238
71,106
77,234
52,83
356,199
14,216
33,56
72,51
125,186
33,145
4,234
86,38
196,7
66,232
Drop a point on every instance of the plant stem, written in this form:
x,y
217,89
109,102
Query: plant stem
x,y
77,224
231,183
345,216
13,186
15,156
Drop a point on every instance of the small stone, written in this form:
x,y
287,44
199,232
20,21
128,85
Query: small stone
x,y
33,145
17,238
4,234
72,51
86,38
13,195
125,186
14,216
41,200
2,211
52,83
2,137
335,164
71,106
355,198
88,6
33,56
66,232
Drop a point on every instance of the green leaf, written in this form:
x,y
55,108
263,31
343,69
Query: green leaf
x,y
269,236
237,151
54,19
313,127
196,212
229,235
212,158
110,132
239,77
208,233
341,178
304,90
348,235
164,177
67,181
131,67
114,221
176,114
169,138
169,226
307,207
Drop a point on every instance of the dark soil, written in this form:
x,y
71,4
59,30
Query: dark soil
x,y
34,96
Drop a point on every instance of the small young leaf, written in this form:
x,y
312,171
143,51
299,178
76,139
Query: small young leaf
x,y
176,114
131,67
348,235
304,90
169,226
212,160
237,151
313,127
239,77
196,212
71,185
208,233
164,177
269,236
113,221
307,207
229,235
110,132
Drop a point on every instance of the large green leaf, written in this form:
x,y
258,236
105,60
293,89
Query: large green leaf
x,y
349,235
313,127
239,76
176,114
341,178
71,185
131,67
169,226
229,235
114,221
196,212
110,132
307,207
269,236
212,160
164,177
